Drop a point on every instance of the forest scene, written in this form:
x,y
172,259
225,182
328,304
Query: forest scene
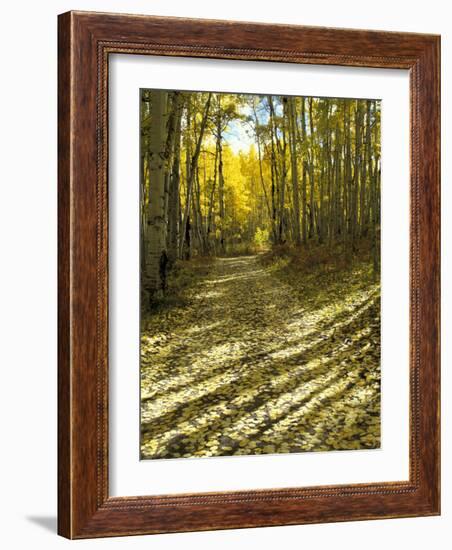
x,y
260,274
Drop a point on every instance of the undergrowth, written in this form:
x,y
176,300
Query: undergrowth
x,y
324,265
183,275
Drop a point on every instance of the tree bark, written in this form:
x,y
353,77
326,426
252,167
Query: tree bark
x,y
191,174
311,172
173,144
221,178
155,249
294,169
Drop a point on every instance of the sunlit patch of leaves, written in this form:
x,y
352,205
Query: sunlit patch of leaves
x,y
264,354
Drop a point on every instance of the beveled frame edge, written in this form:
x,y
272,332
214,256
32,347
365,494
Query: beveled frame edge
x,y
85,41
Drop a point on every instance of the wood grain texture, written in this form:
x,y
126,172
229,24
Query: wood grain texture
x,y
64,295
85,42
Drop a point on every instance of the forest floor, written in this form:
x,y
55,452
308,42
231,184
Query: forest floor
x,y
263,355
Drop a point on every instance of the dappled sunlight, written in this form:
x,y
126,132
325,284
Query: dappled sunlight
x,y
209,294
226,279
197,329
259,276
260,367
237,260
227,355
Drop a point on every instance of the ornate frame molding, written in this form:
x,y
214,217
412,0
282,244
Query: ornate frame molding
x,y
85,42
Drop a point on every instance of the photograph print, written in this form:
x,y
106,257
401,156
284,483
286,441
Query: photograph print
x,y
260,274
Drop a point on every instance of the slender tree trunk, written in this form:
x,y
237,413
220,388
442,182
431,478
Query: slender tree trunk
x,y
356,172
191,166
173,102
320,216
275,194
259,153
311,172
211,215
200,225
221,195
376,205
367,169
348,172
282,195
273,197
174,201
144,176
294,170
304,182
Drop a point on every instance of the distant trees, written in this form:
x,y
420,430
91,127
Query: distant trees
x,y
221,171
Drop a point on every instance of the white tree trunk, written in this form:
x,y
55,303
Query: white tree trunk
x,y
294,169
155,249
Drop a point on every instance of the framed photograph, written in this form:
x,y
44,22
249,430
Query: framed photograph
x,y
248,275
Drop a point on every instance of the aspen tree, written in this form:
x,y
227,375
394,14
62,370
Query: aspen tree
x,y
155,247
294,169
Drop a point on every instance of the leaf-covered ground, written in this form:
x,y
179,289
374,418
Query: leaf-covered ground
x,y
253,361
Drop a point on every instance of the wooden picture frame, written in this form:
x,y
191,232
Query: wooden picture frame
x,y
86,40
